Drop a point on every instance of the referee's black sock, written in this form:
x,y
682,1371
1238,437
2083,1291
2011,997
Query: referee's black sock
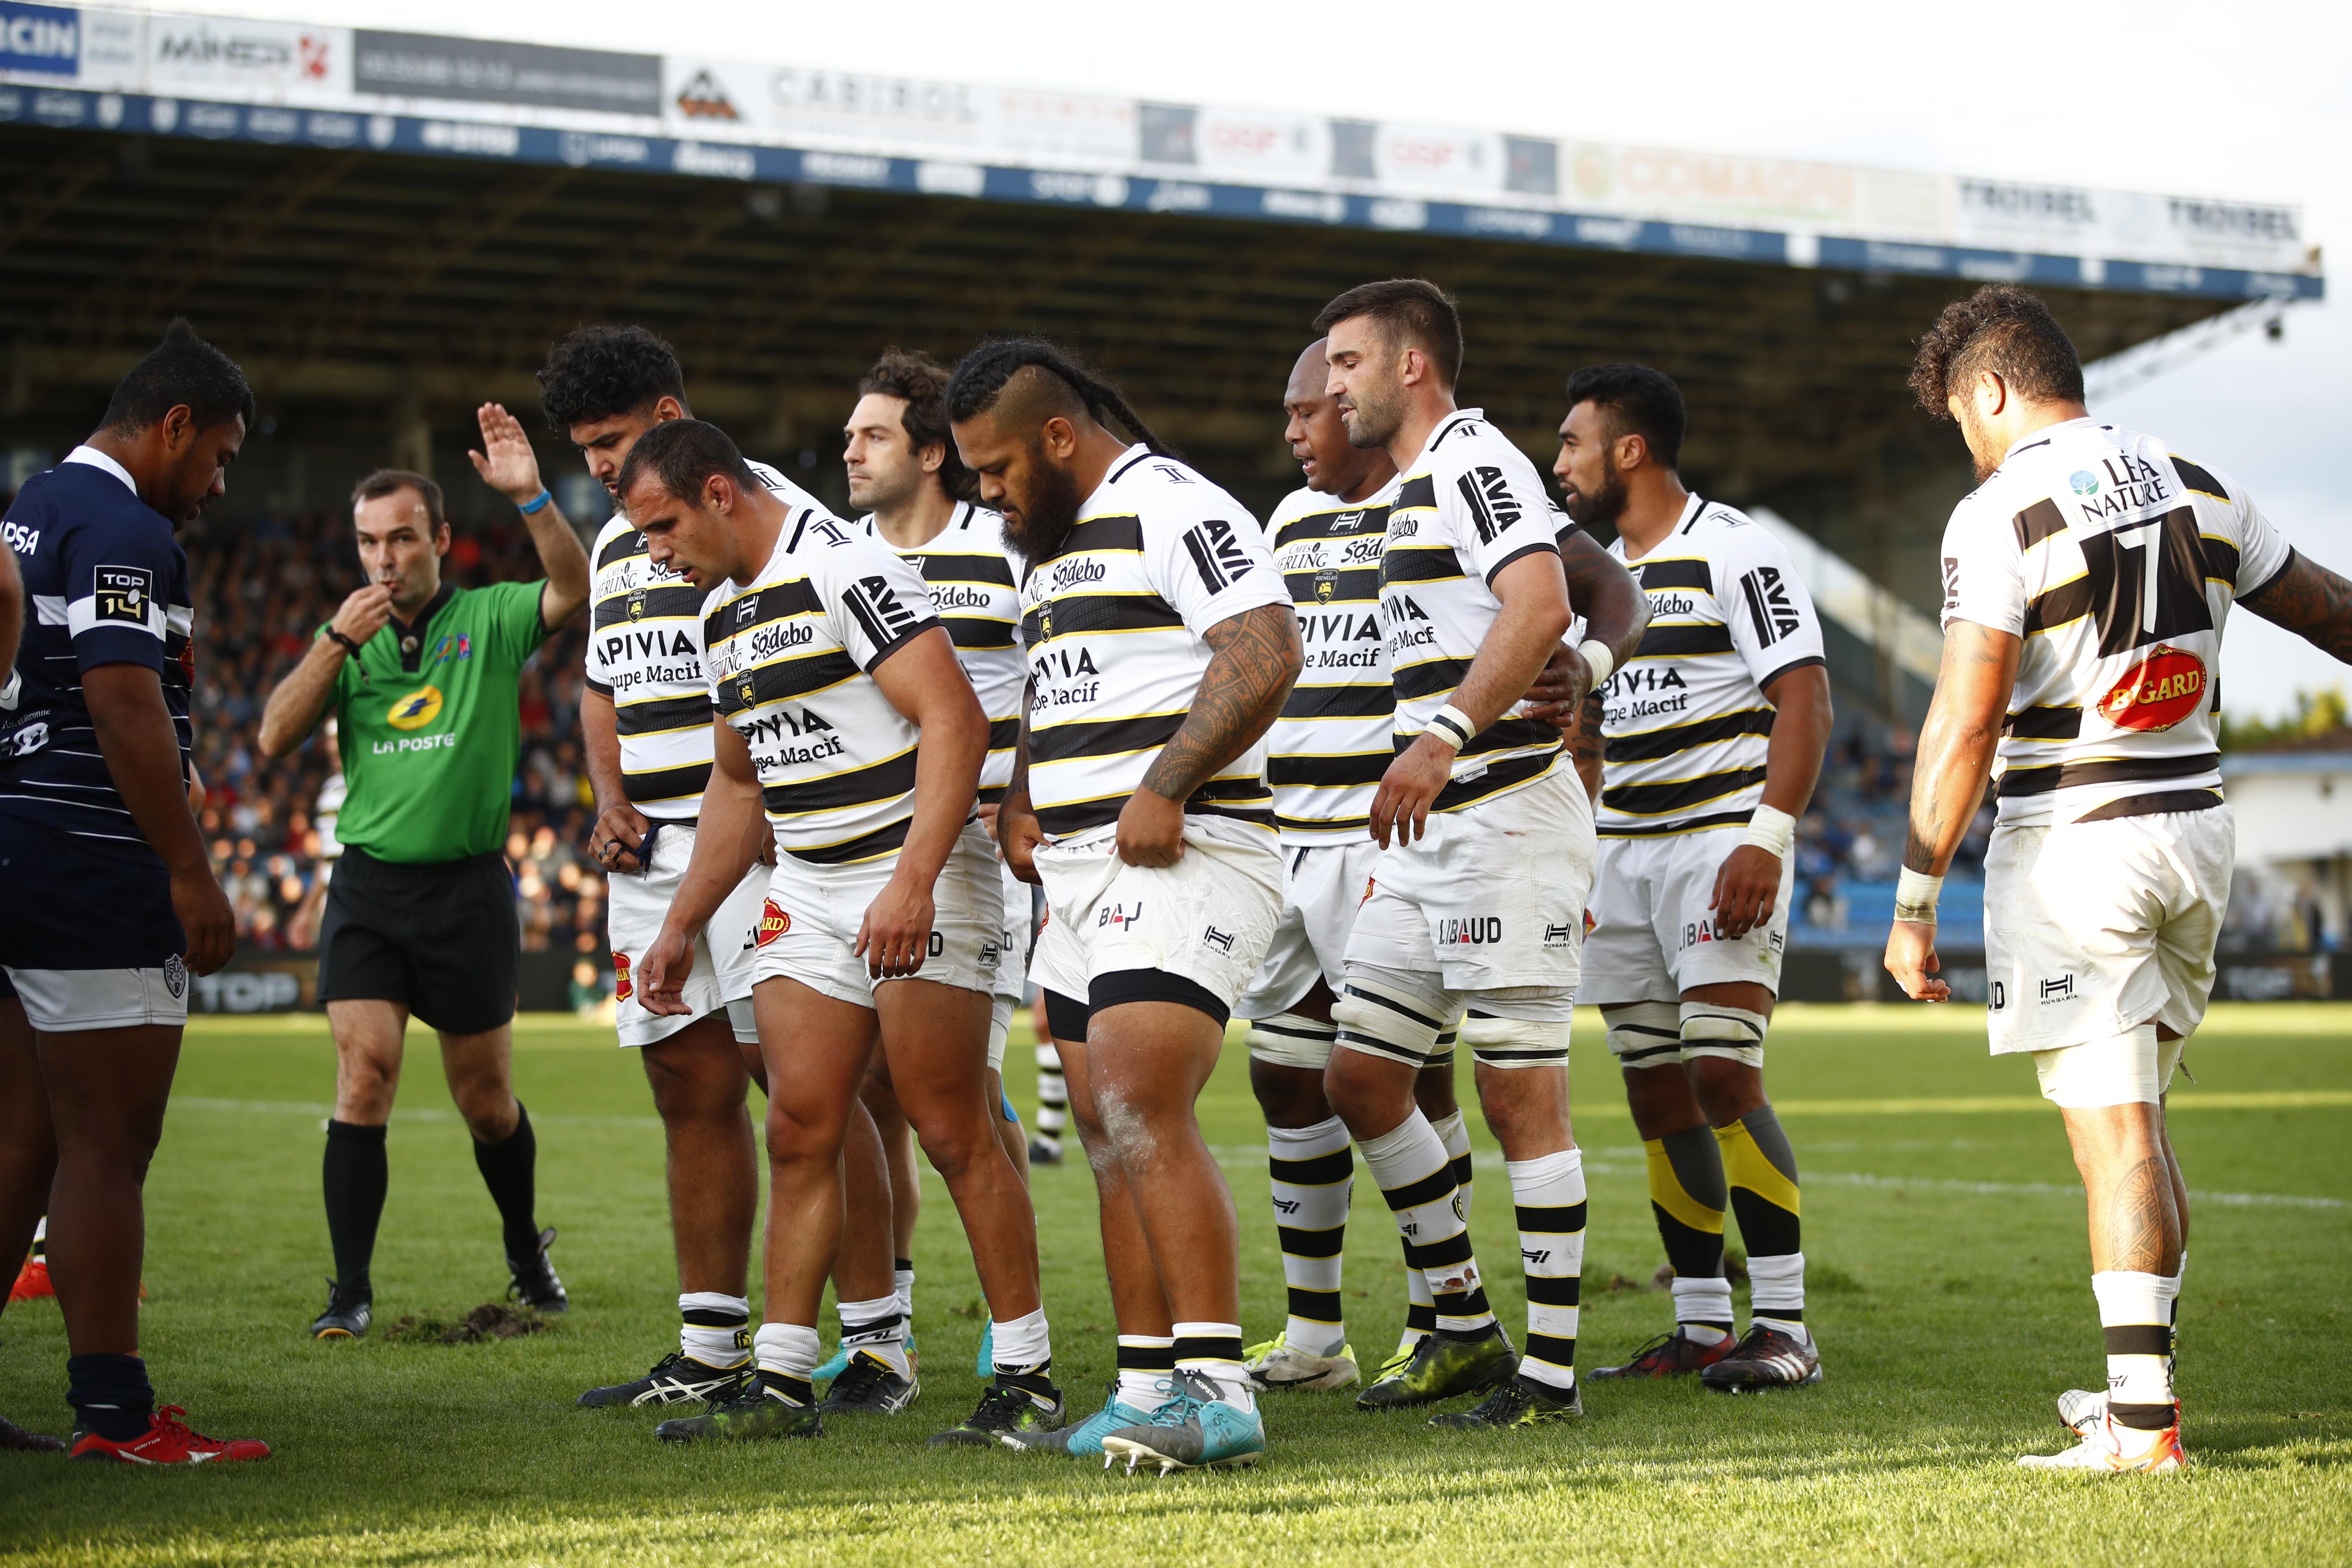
x,y
355,1178
510,1170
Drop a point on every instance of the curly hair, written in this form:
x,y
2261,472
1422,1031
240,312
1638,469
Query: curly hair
x,y
980,377
596,373
921,381
2003,329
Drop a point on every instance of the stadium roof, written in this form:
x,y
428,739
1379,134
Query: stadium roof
x,y
386,228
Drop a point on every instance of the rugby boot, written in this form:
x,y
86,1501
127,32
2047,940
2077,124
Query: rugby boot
x,y
868,1386
1441,1368
168,1440
676,1379
16,1439
1196,1430
1275,1364
32,1282
1516,1402
1083,1439
348,1311
1005,1410
755,1412
2102,1451
1765,1358
533,1279
1672,1354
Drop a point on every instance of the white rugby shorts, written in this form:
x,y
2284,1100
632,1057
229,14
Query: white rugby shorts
x,y
1323,886
1207,920
1492,898
1653,935
2092,927
62,1001
635,905
809,923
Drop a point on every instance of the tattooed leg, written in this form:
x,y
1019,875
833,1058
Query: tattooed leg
x,y
2128,1178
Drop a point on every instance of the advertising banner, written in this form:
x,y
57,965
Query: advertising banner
x,y
172,74
251,62
414,65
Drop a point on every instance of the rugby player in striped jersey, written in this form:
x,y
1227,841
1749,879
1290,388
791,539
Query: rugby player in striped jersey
x,y
846,713
645,719
1714,734
1162,642
1477,898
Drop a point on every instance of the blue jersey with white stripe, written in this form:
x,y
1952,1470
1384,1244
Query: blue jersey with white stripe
x,y
105,583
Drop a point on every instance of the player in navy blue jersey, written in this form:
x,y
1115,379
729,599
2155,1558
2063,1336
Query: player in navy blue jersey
x,y
108,900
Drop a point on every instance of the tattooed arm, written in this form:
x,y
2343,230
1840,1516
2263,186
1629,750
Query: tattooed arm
x,y
1582,735
1947,780
1253,660
2310,601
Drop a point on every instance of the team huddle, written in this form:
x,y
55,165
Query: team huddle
x,y
1414,765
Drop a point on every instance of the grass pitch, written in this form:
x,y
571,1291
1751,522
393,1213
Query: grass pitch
x,y
1944,1234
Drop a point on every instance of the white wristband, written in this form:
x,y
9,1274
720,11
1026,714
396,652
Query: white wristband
x,y
1771,830
1452,726
1599,659
1914,897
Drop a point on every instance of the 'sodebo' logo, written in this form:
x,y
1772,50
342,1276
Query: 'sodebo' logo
x,y
416,709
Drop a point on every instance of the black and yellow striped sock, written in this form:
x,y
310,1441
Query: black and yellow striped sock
x,y
1763,1168
1686,1196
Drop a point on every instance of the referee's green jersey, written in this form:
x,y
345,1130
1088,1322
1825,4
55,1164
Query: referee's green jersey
x,y
430,729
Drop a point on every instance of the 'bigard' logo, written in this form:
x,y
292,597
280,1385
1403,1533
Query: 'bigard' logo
x,y
1768,605
1216,555
774,922
1488,496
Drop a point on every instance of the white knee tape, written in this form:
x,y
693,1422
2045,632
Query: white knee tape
x,y
1712,1029
1286,1039
999,1030
1515,1042
1646,1034
2130,1068
1392,1012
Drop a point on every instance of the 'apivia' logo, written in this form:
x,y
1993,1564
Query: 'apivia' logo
x,y
885,621
1768,606
1216,555
1493,508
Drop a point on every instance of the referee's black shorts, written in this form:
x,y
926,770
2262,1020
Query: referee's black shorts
x,y
440,940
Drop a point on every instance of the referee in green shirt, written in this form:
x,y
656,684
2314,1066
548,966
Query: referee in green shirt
x,y
420,917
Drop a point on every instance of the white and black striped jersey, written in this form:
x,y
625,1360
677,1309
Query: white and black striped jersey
x,y
1327,752
790,658
1685,720
1115,626
1468,506
642,655
2116,561
974,576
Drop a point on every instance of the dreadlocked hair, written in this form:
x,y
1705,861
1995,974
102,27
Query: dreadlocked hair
x,y
981,375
